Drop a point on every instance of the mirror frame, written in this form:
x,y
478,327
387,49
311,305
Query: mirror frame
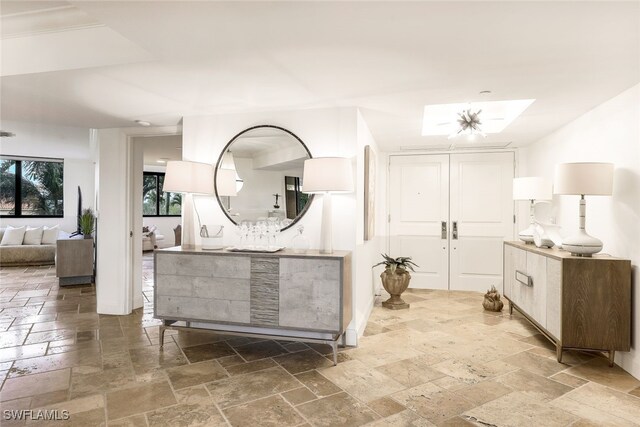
x,y
224,150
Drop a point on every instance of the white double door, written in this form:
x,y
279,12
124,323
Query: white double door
x,y
451,213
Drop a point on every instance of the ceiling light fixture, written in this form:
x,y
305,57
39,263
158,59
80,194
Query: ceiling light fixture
x,y
143,123
470,124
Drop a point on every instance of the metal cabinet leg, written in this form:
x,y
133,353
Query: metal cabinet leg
x,y
559,352
334,346
612,355
510,308
162,329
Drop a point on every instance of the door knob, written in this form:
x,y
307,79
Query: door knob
x,y
454,230
443,230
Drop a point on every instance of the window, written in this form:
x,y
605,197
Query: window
x,y
168,204
31,187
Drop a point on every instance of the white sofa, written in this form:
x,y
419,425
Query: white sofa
x,y
147,244
28,254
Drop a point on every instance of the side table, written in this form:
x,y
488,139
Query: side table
x,y
74,261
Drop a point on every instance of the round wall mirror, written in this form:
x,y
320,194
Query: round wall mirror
x,y
259,176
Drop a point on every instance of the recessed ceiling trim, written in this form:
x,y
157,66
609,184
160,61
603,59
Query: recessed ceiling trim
x,y
44,21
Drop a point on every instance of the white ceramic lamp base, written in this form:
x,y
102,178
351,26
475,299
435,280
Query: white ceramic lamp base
x,y
188,223
527,234
581,244
326,243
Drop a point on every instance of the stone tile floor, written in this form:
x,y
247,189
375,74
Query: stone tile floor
x,y
442,362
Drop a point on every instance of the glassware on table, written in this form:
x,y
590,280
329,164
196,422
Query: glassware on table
x,y
299,242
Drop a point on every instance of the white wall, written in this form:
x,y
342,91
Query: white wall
x,y
113,265
68,143
367,253
326,132
608,133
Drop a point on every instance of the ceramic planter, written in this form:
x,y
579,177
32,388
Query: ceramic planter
x,y
395,282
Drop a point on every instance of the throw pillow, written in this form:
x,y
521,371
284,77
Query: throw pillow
x,y
33,236
13,236
50,235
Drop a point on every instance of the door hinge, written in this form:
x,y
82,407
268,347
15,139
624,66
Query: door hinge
x,y
514,219
389,218
130,233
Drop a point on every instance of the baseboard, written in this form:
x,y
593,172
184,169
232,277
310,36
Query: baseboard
x,y
629,364
112,310
353,334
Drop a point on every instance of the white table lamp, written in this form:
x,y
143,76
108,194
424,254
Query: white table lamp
x,y
531,188
188,178
226,184
327,175
595,179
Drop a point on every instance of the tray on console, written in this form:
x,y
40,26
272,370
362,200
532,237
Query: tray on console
x,y
270,249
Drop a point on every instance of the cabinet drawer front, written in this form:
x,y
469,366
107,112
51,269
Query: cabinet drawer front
x,y
310,293
537,294
201,265
514,260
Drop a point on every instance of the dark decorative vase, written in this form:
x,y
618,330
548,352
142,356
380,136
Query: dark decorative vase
x,y
395,282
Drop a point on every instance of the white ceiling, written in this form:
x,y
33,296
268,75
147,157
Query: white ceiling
x,y
105,63
154,148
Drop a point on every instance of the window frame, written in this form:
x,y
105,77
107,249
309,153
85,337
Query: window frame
x,y
18,185
158,192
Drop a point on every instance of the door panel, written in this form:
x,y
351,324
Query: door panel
x,y
419,203
482,209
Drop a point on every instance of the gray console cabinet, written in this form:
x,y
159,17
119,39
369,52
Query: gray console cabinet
x,y
284,295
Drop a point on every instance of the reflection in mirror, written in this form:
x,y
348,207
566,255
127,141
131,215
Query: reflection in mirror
x,y
268,163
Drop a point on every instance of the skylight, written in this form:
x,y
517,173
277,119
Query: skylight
x,y
442,119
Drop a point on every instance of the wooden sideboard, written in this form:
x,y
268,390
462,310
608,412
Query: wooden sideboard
x,y
283,295
578,303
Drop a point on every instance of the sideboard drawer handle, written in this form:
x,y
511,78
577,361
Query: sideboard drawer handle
x,y
524,278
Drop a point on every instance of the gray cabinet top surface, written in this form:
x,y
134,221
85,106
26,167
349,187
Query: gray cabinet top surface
x,y
285,253
557,253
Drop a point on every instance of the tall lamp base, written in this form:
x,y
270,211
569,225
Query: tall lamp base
x,y
326,229
581,244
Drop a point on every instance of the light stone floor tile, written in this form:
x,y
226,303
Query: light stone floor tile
x,y
405,418
338,410
361,381
597,396
432,402
597,370
271,411
519,409
445,361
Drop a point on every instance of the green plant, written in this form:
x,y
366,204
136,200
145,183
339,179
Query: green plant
x,y
402,263
87,222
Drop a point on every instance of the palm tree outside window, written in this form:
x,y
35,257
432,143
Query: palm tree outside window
x,y
31,187
167,204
